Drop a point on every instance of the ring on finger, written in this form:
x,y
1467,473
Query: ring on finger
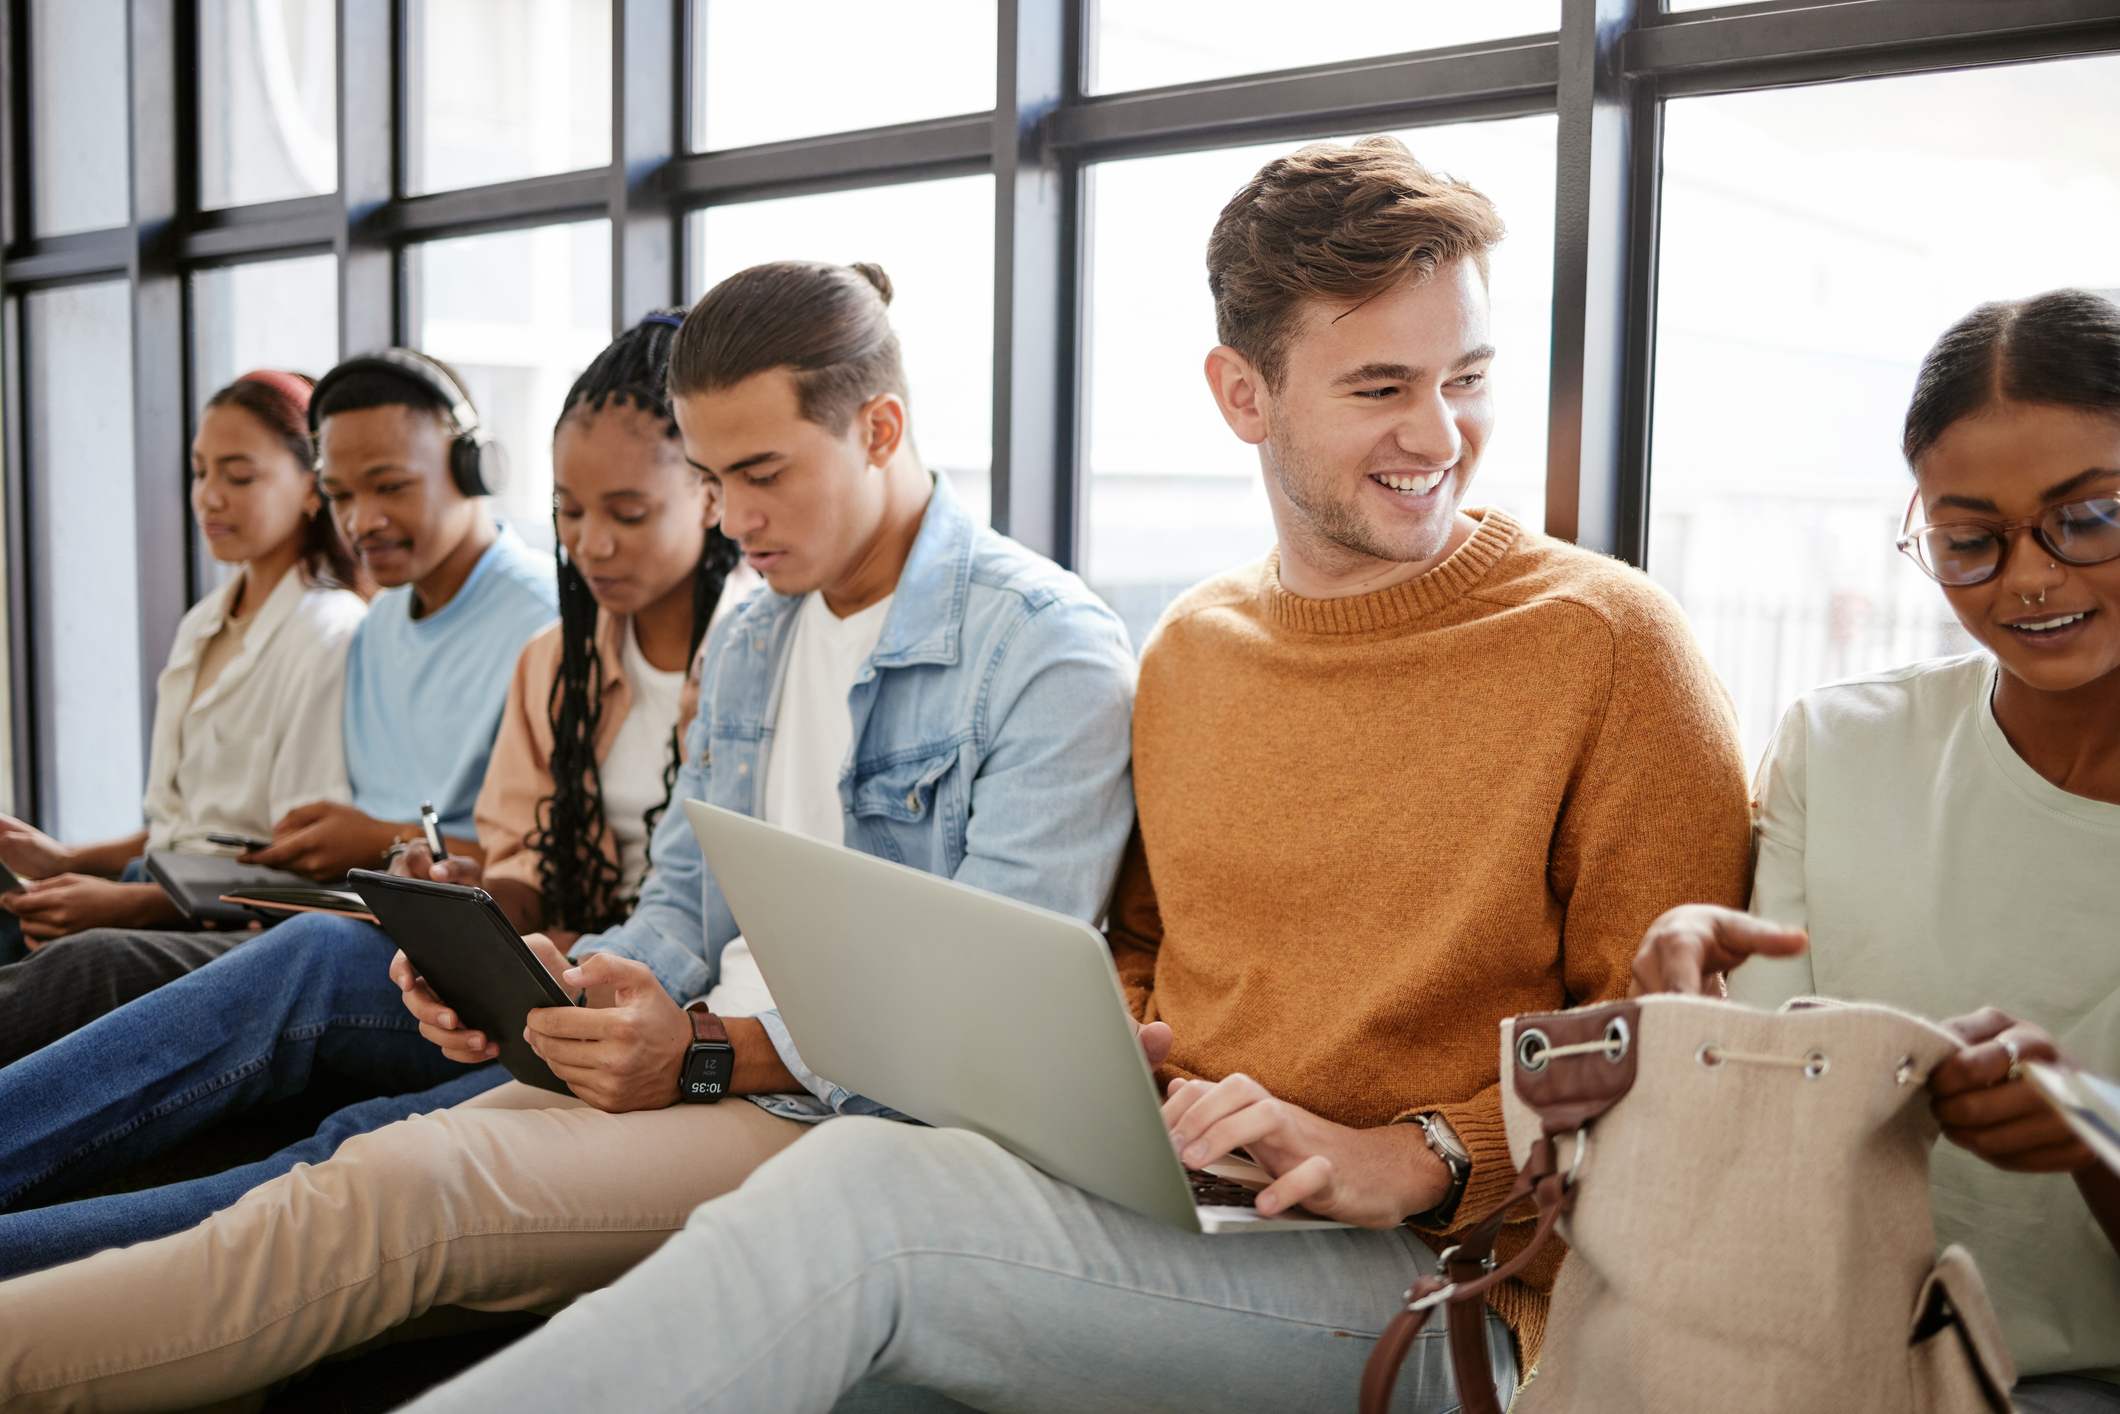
x,y
2009,1048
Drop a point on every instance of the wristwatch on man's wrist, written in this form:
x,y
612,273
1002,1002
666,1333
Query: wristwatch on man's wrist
x,y
1444,1143
710,1062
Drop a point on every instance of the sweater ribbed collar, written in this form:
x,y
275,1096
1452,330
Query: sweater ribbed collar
x,y
1401,604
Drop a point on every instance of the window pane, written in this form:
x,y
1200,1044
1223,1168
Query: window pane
x,y
83,555
519,315
936,242
508,89
1815,242
268,100
271,314
1149,43
930,59
1173,496
79,112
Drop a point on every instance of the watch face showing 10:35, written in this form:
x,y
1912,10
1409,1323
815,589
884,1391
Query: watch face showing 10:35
x,y
707,1073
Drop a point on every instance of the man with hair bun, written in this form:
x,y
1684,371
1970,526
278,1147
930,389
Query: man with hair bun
x,y
1415,771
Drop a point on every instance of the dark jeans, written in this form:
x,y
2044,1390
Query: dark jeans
x,y
68,983
313,994
71,981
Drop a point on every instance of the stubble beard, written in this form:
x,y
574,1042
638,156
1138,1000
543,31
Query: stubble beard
x,y
1337,535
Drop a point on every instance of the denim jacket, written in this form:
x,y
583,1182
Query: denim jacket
x,y
991,744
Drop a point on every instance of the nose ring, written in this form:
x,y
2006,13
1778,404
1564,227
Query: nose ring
x,y
2028,598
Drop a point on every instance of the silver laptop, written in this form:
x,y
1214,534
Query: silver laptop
x,y
967,1010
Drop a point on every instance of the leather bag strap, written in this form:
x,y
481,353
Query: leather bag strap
x,y
1469,1272
1570,1067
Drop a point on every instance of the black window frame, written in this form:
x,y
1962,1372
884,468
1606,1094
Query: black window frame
x,y
1606,72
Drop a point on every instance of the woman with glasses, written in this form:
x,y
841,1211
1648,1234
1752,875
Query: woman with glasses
x,y
1948,833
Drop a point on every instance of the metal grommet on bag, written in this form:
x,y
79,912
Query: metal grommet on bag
x,y
1709,1056
1904,1072
1617,1038
1815,1065
1531,1048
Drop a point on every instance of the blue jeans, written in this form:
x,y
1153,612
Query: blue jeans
x,y
880,1266
252,1026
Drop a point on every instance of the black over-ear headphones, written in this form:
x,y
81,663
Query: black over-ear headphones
x,y
471,454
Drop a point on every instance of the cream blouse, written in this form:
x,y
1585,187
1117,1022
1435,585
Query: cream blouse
x,y
264,735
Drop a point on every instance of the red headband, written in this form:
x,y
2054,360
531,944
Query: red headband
x,y
294,389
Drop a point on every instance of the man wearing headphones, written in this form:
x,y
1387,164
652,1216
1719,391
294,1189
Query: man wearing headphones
x,y
427,676
402,462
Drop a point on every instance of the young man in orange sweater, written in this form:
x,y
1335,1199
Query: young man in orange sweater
x,y
1414,772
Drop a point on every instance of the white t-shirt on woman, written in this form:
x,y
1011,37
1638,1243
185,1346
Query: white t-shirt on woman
x,y
1939,873
632,770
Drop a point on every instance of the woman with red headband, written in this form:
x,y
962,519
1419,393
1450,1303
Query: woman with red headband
x,y
247,711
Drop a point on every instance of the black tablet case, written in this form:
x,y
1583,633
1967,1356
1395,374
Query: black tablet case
x,y
473,958
195,883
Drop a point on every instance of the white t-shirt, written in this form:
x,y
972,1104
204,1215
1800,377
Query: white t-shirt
x,y
632,770
1939,873
813,731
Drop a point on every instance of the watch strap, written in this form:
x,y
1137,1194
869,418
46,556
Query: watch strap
x,y
706,1026
1444,1143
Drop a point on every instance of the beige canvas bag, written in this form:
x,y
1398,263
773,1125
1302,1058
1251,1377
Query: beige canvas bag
x,y
1745,1198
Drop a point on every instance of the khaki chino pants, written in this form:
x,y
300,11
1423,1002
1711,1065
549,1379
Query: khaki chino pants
x,y
512,1200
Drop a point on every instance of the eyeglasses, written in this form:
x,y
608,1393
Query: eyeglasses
x,y
1969,552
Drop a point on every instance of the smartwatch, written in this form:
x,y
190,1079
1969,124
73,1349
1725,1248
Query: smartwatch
x,y
710,1063
1444,1143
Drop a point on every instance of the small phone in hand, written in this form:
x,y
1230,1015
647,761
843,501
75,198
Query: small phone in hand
x,y
243,842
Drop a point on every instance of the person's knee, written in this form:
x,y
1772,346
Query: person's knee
x,y
860,1164
319,945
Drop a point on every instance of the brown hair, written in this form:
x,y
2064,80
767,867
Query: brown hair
x,y
2061,348
1337,223
326,561
827,323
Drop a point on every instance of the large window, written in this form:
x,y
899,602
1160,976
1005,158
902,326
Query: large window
x,y
1733,230
1174,497
518,315
1815,243
935,242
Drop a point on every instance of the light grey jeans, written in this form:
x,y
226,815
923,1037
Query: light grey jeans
x,y
922,1262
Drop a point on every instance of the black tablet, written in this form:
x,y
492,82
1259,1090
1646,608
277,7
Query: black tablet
x,y
473,958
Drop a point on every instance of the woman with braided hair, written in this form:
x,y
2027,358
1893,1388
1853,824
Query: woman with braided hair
x,y
589,742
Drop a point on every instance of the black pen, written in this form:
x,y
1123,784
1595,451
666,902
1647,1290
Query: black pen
x,y
432,824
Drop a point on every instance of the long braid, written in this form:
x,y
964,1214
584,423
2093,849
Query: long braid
x,y
581,887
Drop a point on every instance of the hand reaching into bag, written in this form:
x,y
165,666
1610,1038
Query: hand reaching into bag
x,y
1690,947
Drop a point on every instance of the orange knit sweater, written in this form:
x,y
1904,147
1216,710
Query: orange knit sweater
x,y
1371,828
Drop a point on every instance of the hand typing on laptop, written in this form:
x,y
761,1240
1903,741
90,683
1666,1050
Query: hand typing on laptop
x,y
1368,1177
622,1052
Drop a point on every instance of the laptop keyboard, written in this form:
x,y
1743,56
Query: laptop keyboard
x,y
1213,1191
